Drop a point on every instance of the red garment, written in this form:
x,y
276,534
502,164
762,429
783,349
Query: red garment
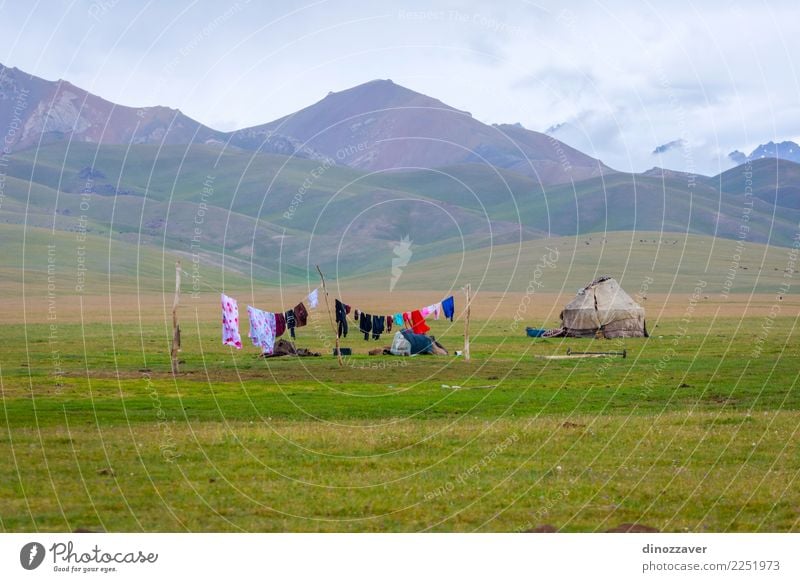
x,y
389,320
280,324
418,324
300,315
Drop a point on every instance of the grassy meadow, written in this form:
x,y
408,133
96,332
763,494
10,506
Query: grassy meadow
x,y
696,430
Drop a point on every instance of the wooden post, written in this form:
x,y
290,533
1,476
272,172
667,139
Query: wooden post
x,y
176,329
333,325
467,290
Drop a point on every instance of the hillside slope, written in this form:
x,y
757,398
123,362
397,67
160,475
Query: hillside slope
x,y
772,180
47,111
643,262
278,216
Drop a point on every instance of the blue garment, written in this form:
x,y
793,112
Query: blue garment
x,y
378,325
449,308
341,318
420,343
398,319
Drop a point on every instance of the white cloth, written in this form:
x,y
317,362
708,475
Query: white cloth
x,y
262,329
400,345
230,322
313,299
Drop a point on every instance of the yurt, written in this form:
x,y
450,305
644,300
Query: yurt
x,y
603,309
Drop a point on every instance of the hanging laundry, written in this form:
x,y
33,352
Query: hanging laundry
x,y
300,315
346,308
398,319
407,319
280,324
230,322
418,324
356,313
389,320
262,329
365,324
290,322
430,310
378,324
449,308
341,319
437,310
313,299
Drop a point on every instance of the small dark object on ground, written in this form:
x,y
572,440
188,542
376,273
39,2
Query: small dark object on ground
x,y
286,348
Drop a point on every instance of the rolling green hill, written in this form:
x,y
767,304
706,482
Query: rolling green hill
x,y
276,217
774,181
645,261
74,264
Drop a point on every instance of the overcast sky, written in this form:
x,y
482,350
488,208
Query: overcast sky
x,y
692,80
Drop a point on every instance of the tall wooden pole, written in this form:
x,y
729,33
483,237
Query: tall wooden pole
x,y
176,329
467,290
333,325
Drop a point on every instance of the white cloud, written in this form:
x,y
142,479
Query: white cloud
x,y
720,75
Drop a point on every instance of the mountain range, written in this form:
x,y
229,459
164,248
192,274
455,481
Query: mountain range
x,y
375,126
785,150
341,182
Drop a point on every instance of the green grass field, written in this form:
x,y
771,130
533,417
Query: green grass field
x,y
696,430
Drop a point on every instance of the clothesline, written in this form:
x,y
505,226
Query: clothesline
x,y
265,326
446,306
215,290
378,324
404,310
314,292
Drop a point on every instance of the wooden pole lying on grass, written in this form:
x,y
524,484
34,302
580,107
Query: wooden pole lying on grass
x,y
333,325
467,290
176,329
623,353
